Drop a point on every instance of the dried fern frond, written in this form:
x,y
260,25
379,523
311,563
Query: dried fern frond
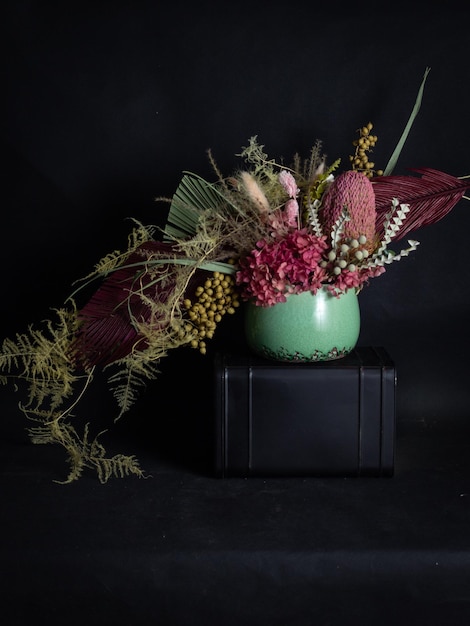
x,y
41,358
139,235
431,196
83,452
131,377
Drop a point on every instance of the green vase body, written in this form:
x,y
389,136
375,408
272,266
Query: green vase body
x,y
305,328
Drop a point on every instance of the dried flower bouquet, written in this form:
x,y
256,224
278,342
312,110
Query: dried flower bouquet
x,y
266,231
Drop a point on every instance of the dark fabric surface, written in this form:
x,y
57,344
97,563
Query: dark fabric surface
x,y
184,548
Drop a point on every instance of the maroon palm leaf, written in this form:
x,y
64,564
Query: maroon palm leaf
x,y
106,332
431,196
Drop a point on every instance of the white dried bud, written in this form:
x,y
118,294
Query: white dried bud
x,y
359,255
362,239
354,243
331,255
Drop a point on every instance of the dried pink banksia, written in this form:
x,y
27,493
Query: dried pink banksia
x,y
354,191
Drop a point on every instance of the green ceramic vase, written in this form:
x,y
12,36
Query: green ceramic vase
x,y
305,328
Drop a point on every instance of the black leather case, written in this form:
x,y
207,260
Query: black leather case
x,y
332,418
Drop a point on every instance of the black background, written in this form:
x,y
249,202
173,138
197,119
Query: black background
x,y
106,103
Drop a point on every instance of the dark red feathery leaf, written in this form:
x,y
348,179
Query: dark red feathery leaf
x,y
431,196
106,332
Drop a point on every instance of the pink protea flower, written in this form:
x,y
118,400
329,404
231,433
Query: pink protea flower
x,y
352,190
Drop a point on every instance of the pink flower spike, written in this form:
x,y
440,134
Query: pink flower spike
x,y
292,212
288,182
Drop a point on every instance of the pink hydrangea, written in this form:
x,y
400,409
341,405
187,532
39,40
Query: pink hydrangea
x,y
353,279
288,265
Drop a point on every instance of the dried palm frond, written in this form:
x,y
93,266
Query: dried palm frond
x,y
193,197
431,196
108,322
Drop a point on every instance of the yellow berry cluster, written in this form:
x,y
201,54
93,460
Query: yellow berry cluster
x,y
216,297
360,158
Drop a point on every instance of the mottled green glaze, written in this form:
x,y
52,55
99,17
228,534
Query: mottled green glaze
x,y
305,328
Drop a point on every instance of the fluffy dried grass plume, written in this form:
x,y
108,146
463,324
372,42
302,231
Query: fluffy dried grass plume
x,y
254,192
